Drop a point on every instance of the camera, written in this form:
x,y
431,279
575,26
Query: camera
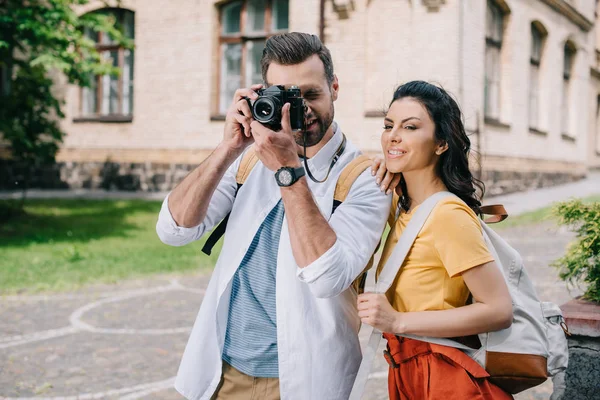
x,y
266,109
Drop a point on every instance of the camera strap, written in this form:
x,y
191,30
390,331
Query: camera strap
x,y
335,159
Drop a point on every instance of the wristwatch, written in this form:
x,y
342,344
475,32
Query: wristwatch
x,y
287,176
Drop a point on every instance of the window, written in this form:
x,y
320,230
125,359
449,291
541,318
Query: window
x,y
537,37
569,56
111,95
245,26
493,46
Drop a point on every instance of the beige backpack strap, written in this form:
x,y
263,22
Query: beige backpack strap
x,y
349,175
248,162
342,188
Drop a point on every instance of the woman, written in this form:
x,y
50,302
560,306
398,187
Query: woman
x,y
424,141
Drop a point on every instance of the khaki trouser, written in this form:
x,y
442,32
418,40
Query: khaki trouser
x,y
236,385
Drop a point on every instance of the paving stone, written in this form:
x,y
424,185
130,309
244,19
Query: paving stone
x,y
20,317
88,363
143,313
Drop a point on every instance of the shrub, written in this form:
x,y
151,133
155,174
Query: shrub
x,y
581,263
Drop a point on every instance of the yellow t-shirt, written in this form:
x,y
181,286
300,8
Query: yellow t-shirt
x,y
449,243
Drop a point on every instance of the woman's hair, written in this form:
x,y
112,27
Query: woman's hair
x,y
453,165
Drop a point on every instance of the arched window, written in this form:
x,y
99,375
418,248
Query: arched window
x,y
112,96
494,32
245,25
538,34
568,61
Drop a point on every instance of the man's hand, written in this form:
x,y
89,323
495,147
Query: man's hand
x,y
374,309
386,180
276,149
237,135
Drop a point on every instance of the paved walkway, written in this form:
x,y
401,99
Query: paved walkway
x,y
518,203
125,341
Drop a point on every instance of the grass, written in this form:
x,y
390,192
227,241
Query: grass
x,y
60,245
534,217
63,244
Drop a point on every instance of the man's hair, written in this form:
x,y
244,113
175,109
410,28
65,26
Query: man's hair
x,y
293,48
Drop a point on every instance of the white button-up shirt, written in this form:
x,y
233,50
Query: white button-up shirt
x,y
317,320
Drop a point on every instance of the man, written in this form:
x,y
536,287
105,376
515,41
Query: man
x,y
279,318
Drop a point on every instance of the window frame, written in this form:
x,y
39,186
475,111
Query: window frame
x,y
570,51
539,33
494,43
244,38
101,48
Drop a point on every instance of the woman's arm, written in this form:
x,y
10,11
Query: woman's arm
x,y
491,311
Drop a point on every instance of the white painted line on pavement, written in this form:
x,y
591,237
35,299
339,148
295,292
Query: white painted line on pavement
x,y
100,395
10,341
76,321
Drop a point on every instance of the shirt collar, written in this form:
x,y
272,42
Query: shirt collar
x,y
322,159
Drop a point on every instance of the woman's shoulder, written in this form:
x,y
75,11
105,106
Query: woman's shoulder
x,y
453,208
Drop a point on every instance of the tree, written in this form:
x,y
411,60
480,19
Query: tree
x,y
40,39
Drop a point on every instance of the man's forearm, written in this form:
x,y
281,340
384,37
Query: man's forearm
x,y
188,202
310,233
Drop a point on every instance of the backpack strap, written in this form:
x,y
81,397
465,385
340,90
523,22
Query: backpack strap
x,y
344,183
386,279
497,213
249,160
349,174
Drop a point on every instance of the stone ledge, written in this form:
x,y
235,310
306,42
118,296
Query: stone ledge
x,y
582,317
495,122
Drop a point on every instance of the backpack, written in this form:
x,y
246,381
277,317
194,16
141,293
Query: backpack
x,y
522,356
344,183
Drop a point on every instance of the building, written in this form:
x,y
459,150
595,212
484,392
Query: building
x,y
526,73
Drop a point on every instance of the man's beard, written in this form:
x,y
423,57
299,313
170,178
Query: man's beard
x,y
314,137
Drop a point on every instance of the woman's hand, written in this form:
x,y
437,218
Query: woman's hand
x,y
374,309
386,179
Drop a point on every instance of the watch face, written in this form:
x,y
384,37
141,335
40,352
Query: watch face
x,y
285,177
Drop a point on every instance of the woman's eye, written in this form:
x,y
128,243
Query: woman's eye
x,y
410,127
387,127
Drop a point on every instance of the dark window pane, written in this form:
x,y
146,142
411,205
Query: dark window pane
x,y
231,18
253,69
568,61
110,86
536,44
90,34
494,22
127,79
280,15
255,18
89,98
231,73
128,24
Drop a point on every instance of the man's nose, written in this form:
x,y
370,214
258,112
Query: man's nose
x,y
307,110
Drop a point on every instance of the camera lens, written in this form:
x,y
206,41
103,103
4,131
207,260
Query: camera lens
x,y
265,109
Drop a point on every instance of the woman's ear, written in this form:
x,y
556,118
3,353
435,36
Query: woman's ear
x,y
442,147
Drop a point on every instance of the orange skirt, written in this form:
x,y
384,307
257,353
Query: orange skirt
x,y
426,371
